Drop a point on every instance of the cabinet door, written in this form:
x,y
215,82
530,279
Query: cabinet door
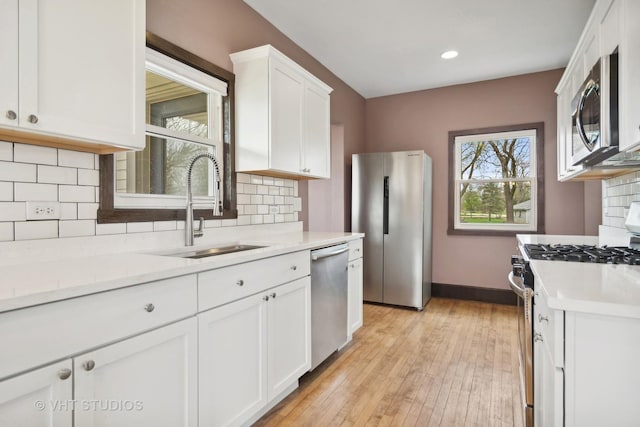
x,y
9,61
148,380
629,83
289,330
232,362
317,141
39,398
287,94
82,69
355,295
548,394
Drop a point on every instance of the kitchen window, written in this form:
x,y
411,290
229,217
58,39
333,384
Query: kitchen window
x,y
496,180
188,112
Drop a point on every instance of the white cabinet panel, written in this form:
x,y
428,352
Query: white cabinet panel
x,y
8,57
289,334
40,398
233,362
629,69
150,380
355,295
287,95
79,71
283,121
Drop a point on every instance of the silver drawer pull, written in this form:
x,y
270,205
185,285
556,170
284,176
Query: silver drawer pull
x,y
353,266
89,365
11,115
32,119
273,295
149,307
294,267
542,318
266,297
537,337
240,282
357,249
63,374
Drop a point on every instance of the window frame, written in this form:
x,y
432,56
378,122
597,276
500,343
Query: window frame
x,y
537,167
108,213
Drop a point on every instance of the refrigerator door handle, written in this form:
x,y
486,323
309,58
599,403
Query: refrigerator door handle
x,y
385,209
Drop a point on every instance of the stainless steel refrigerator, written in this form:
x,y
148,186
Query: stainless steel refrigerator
x,y
391,204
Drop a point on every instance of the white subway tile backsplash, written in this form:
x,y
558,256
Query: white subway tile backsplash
x,y
139,227
68,211
88,210
117,228
6,153
13,211
34,173
25,153
23,191
6,191
76,159
164,226
31,230
17,172
77,228
88,177
57,175
77,193
617,195
6,231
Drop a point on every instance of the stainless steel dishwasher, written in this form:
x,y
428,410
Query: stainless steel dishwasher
x,y
328,301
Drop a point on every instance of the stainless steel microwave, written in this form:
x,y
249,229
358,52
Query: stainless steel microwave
x,y
595,114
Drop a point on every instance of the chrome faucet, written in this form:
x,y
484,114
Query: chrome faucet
x,y
190,233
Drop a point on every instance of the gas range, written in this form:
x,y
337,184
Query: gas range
x,y
584,253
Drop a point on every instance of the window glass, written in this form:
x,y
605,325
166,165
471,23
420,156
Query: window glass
x,y
184,118
495,182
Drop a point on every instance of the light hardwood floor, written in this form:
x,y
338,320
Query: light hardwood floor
x,y
453,364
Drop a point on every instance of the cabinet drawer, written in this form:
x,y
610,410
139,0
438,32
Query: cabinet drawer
x,y
37,335
355,249
221,286
550,325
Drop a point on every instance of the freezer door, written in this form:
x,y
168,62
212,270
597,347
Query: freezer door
x,y
403,241
366,217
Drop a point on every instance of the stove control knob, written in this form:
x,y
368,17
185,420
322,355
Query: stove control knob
x,y
518,269
516,259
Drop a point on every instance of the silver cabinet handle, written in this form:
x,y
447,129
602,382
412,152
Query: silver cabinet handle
x,y
353,266
11,115
542,318
63,374
273,295
89,365
32,118
294,267
537,337
149,307
266,297
240,282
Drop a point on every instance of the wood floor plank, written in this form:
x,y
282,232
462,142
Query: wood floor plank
x,y
453,364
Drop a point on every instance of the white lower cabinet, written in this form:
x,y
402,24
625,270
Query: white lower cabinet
x,y
251,351
148,380
39,398
355,295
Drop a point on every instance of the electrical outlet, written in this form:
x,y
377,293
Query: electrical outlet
x,y
37,211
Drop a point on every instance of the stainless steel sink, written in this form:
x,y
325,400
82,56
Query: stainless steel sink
x,y
203,253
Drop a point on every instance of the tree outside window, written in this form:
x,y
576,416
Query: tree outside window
x,y
496,180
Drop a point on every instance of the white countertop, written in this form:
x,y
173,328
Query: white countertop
x,y
26,284
589,288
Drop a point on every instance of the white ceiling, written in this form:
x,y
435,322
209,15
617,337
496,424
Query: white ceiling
x,y
383,47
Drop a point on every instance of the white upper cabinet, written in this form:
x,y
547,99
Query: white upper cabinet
x,y
73,73
629,72
282,116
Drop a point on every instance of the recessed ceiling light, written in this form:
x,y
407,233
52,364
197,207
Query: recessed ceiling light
x,y
450,54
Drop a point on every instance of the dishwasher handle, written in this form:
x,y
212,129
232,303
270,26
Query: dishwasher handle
x,y
316,256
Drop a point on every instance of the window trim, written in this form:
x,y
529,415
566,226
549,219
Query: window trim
x,y
107,213
539,179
